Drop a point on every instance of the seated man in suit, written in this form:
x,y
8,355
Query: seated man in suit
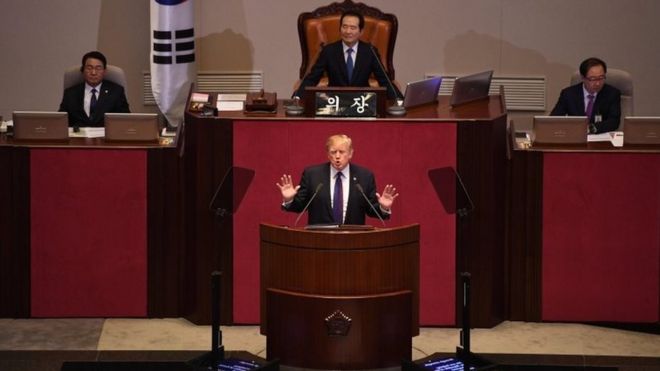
x,y
337,199
87,102
593,98
348,55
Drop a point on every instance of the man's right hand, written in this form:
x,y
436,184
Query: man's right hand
x,y
287,188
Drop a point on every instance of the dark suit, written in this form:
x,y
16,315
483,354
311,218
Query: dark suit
x,y
320,210
607,105
111,98
331,61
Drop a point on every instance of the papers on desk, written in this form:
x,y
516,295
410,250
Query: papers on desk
x,y
231,102
87,132
230,106
199,97
4,124
614,137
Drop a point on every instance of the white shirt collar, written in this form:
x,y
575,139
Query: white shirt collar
x,y
345,171
354,47
88,88
585,92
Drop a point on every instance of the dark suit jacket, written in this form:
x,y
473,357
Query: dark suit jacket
x,y
331,60
111,98
320,210
607,105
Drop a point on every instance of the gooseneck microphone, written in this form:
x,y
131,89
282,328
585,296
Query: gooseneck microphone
x,y
359,188
398,109
316,191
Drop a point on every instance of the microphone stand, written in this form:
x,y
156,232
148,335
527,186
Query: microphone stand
x,y
397,109
359,188
316,191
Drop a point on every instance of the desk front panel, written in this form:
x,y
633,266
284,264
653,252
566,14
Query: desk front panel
x,y
88,233
601,237
399,153
585,235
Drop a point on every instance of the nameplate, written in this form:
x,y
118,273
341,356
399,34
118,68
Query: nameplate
x,y
345,102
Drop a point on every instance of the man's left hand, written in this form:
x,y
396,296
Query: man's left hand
x,y
387,199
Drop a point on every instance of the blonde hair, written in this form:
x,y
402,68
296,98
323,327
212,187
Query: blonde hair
x,y
338,139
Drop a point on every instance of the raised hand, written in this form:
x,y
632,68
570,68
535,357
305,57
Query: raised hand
x,y
387,199
287,188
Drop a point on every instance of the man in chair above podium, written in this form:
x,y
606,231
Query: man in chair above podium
x,y
349,61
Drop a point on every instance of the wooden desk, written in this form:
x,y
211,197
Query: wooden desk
x,y
401,151
584,242
88,229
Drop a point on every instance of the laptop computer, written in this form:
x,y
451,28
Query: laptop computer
x,y
560,129
641,130
141,127
41,125
422,92
470,88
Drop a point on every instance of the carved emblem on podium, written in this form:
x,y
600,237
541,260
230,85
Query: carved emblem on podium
x,y
338,324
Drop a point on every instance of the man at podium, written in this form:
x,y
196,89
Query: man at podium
x,y
337,192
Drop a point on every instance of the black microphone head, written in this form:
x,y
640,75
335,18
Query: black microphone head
x,y
318,187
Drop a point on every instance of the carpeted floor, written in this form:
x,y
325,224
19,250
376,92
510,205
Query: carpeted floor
x,y
42,344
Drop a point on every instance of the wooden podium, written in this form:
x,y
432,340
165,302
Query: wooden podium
x,y
339,299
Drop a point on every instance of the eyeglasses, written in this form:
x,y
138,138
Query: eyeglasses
x,y
595,78
94,68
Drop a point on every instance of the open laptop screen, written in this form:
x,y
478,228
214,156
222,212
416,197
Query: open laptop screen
x,y
422,92
41,125
131,127
641,130
470,88
560,129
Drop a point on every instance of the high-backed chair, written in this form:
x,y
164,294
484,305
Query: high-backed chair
x,y
321,27
621,80
73,76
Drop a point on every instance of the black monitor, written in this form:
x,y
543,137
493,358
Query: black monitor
x,y
470,88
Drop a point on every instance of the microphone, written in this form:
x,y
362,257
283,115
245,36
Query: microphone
x,y
398,109
359,188
316,191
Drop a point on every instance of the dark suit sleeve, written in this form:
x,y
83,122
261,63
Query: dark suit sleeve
x,y
561,107
369,181
301,198
315,74
610,110
121,105
73,105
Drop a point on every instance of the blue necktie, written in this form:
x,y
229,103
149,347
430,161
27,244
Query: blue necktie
x,y
92,103
349,64
338,200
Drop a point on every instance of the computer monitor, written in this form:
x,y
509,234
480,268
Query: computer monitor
x,y
131,127
641,130
470,88
560,129
422,92
41,125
